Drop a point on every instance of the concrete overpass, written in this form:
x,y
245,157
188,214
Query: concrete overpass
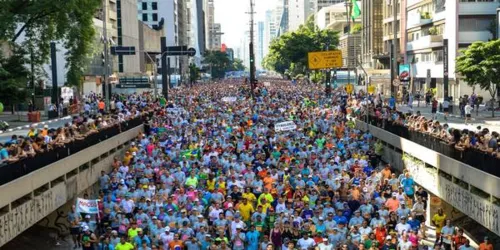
x,y
473,192
45,194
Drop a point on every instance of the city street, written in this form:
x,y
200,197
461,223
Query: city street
x,y
23,130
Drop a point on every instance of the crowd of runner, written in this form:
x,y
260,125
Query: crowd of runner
x,y
211,172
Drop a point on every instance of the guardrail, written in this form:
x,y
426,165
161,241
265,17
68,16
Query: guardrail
x,y
470,156
467,188
14,170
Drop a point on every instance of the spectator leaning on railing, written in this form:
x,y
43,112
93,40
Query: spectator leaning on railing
x,y
42,140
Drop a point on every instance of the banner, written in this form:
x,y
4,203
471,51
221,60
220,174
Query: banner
x,y
87,206
176,110
229,99
404,72
285,126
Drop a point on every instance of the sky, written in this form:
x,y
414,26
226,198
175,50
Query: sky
x,y
233,19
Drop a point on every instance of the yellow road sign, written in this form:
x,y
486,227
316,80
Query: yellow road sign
x,y
324,59
371,88
349,88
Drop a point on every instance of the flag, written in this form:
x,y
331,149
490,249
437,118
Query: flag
x,y
355,11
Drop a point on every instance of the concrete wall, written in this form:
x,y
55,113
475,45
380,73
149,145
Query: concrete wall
x,y
77,186
31,198
443,176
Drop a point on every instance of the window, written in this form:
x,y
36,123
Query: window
x,y
154,5
474,23
145,17
426,57
144,6
155,17
438,55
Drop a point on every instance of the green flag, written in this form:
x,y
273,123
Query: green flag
x,y
355,11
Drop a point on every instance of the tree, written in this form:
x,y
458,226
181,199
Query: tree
x,y
289,51
43,21
237,65
218,62
194,73
13,78
480,64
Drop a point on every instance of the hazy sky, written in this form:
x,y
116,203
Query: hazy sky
x,y
234,22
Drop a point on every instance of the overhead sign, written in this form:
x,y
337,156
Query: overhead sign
x,y
229,99
404,72
122,50
349,88
324,59
285,126
133,86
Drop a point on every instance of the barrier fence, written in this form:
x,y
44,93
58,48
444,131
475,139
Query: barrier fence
x,y
10,171
471,156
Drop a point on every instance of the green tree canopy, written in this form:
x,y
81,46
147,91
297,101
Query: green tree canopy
x,y
218,62
480,64
289,51
43,21
13,78
237,65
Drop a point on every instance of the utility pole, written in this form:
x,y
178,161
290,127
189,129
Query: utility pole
x,y
252,55
106,56
394,46
348,30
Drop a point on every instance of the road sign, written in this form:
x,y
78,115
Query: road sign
x,y
349,88
191,52
122,50
324,59
371,88
396,82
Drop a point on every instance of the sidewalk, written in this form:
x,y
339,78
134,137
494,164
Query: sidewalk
x,y
483,118
20,118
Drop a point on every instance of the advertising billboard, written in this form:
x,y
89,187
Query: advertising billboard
x,y
404,72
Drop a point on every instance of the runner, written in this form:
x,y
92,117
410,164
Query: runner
x,y
213,172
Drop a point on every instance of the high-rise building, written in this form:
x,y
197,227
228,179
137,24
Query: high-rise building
x,y
371,34
128,34
428,24
298,12
259,55
317,5
211,30
282,17
173,17
270,30
215,37
196,29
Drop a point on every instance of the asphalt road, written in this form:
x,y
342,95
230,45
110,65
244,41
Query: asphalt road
x,y
23,130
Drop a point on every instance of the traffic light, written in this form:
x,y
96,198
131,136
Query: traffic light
x,y
103,59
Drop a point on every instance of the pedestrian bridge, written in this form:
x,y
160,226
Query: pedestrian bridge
x,y
39,194
472,191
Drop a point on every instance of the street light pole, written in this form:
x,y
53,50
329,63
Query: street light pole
x,y
252,56
106,57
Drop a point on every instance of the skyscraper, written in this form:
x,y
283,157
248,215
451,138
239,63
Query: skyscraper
x,y
259,56
298,11
270,30
281,15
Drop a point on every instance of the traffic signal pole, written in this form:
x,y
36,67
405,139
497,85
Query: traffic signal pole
x,y
252,55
